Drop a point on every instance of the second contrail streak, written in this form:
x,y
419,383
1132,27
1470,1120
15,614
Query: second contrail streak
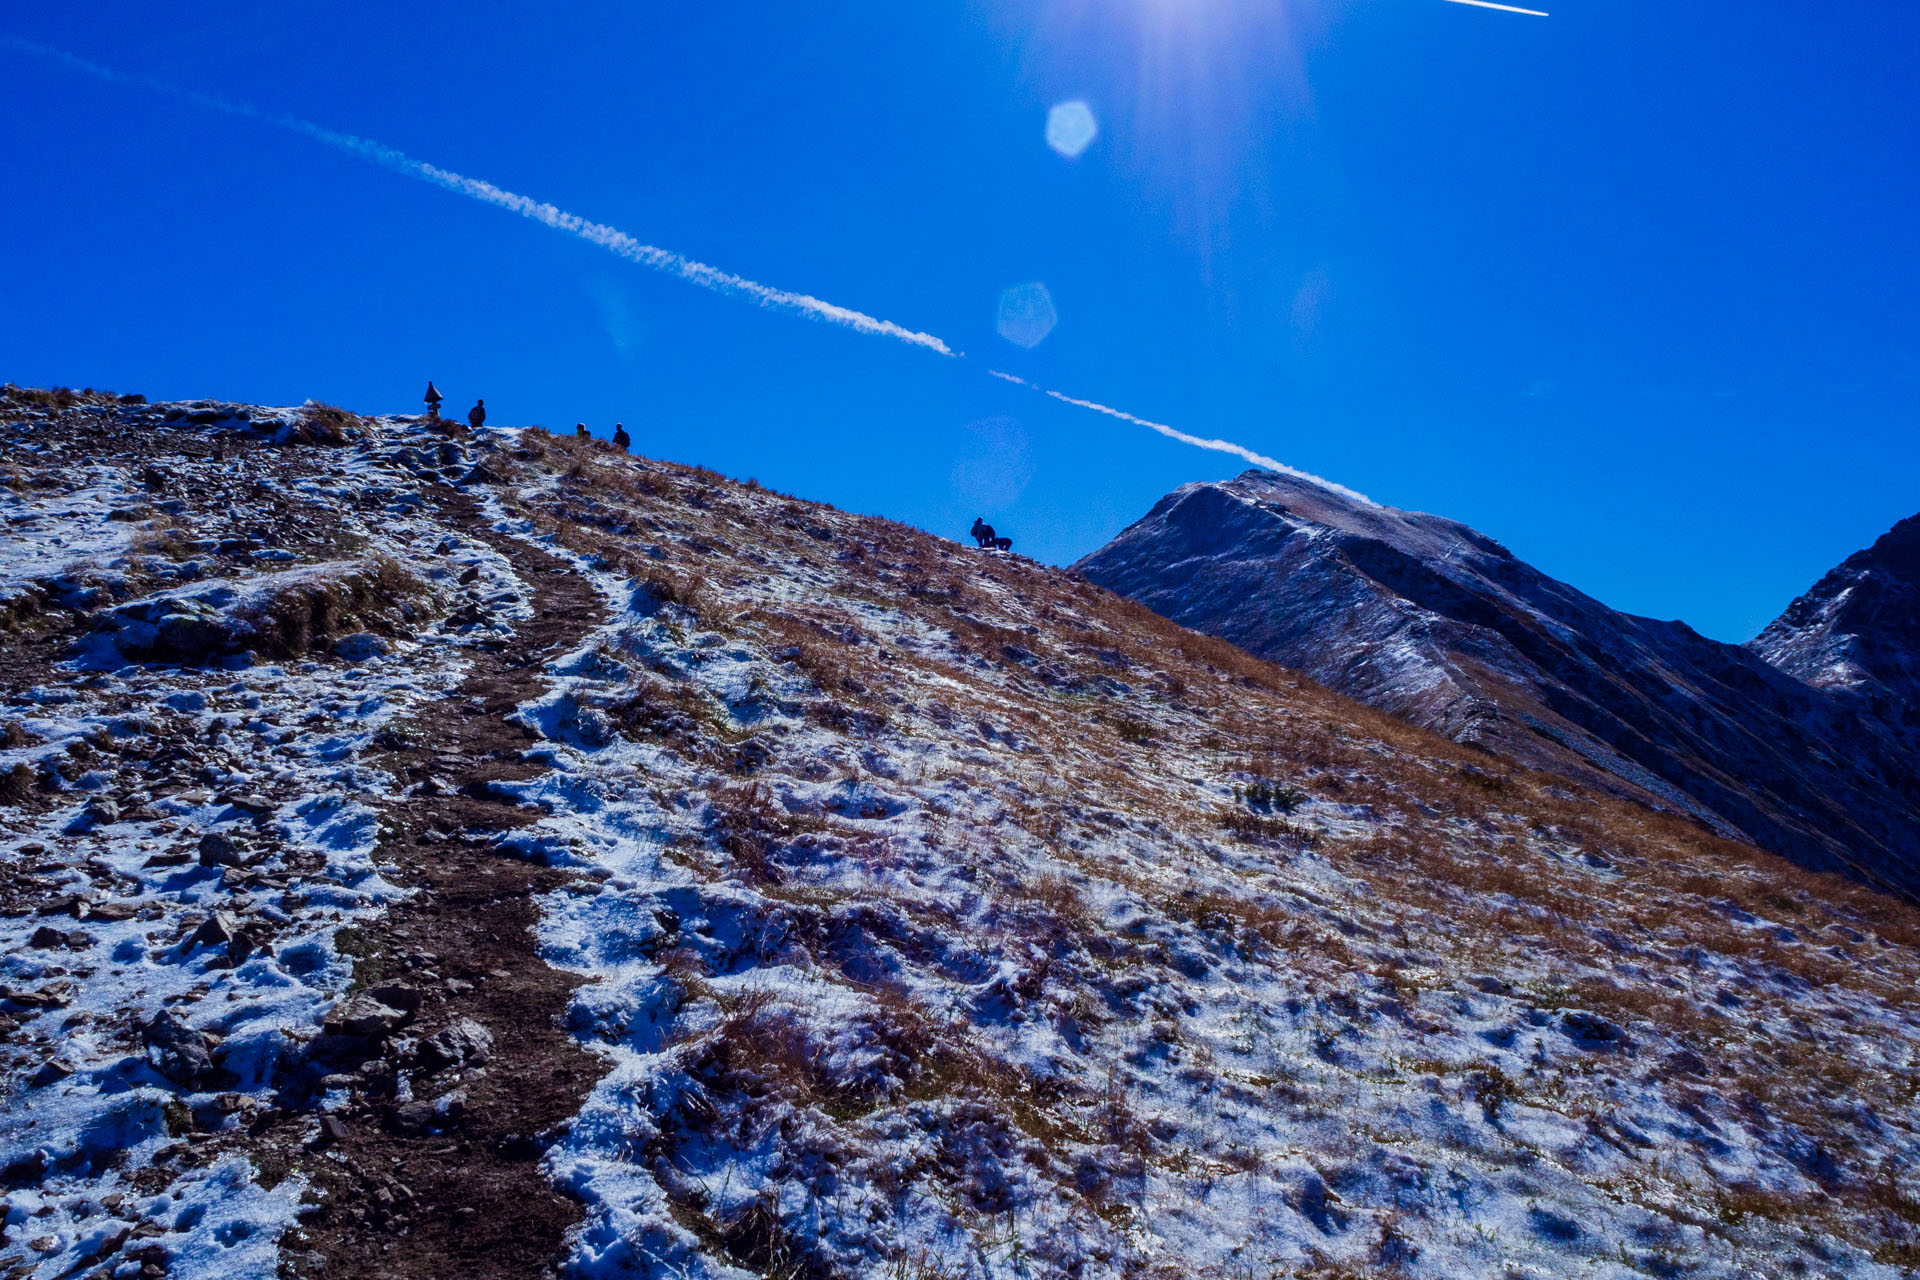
x,y
1174,433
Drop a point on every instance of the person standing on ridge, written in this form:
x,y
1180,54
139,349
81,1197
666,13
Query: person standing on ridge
x,y
477,416
621,440
580,429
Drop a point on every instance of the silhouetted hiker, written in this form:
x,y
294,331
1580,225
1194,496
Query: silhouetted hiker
x,y
984,536
477,416
621,440
433,400
580,429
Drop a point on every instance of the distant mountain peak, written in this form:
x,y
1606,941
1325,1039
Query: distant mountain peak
x,y
1857,630
1434,621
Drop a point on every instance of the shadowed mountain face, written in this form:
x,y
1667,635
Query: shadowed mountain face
x,y
1421,616
1854,633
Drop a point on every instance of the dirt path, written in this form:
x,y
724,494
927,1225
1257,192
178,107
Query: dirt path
x,y
461,1197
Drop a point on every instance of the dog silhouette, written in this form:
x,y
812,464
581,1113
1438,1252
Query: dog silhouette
x,y
984,536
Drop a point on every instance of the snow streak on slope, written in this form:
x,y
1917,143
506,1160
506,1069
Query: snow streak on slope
x,y
202,835
933,928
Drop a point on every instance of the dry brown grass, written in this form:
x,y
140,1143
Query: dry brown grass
x,y
309,615
748,825
1471,862
1062,900
64,397
1671,869
18,785
1240,920
326,424
1260,829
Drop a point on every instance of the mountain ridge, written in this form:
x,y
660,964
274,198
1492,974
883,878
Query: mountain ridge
x,y
1427,618
1853,630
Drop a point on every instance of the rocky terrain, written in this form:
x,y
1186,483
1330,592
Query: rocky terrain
x,y
1853,634
439,854
1802,742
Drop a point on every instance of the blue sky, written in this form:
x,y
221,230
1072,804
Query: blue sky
x,y
1633,288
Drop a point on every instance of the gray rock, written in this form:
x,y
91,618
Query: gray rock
x,y
52,1071
364,1016
179,1053
398,995
466,1042
217,850
217,930
360,646
424,1116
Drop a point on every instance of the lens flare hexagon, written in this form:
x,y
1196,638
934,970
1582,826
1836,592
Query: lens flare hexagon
x,y
1026,315
1071,128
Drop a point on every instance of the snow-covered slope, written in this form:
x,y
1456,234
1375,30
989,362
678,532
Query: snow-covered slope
x,y
1426,618
1857,632
640,873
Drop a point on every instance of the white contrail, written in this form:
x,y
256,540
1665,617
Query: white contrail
x,y
1199,442
1504,8
620,243
609,238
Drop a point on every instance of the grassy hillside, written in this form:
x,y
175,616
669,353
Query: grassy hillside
x,y
835,899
